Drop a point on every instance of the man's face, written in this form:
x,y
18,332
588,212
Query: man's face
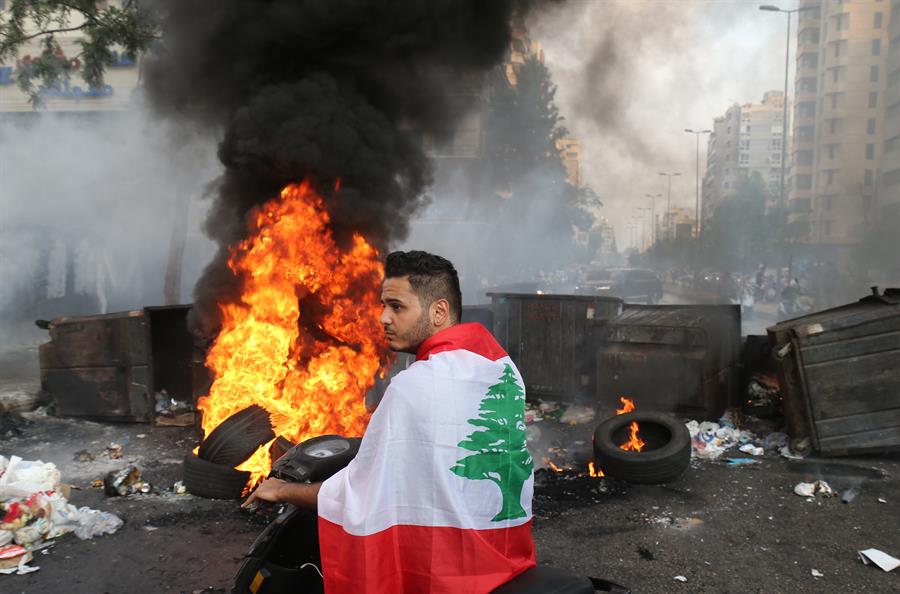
x,y
406,323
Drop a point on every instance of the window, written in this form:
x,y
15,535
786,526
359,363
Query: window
x,y
869,178
829,177
835,100
876,47
829,227
879,18
891,178
834,125
873,99
836,74
803,158
870,152
804,182
873,73
840,48
842,21
829,201
870,126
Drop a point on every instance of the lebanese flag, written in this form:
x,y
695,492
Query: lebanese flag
x,y
438,499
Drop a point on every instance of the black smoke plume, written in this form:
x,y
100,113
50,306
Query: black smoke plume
x,y
322,90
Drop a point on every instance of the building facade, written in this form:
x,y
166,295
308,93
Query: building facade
x,y
889,187
839,120
745,140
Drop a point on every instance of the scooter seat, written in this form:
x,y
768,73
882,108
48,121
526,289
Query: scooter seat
x,y
546,580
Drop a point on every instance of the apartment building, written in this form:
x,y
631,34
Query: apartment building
x,y
745,140
838,124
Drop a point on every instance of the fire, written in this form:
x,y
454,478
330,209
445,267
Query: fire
x,y
635,443
594,471
304,340
555,467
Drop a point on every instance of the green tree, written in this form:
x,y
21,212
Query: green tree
x,y
501,451
132,27
526,191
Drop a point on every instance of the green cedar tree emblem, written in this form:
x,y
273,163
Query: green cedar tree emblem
x,y
501,453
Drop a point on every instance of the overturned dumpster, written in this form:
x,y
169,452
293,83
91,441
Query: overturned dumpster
x,y
840,376
114,367
681,359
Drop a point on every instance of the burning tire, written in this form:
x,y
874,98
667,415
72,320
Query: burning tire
x,y
213,481
237,437
666,453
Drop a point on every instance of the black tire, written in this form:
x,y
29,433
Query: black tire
x,y
666,455
211,480
237,437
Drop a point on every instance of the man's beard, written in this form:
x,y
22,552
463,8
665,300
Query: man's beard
x,y
416,335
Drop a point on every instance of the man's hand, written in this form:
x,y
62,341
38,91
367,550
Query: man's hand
x,y
268,490
279,491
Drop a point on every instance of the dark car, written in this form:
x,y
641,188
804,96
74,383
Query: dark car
x,y
631,284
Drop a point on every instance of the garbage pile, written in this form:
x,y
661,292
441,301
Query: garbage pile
x,y
34,510
710,440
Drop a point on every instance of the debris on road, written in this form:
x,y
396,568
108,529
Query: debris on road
x,y
817,574
749,448
849,495
33,510
127,481
880,558
680,578
740,461
577,414
816,488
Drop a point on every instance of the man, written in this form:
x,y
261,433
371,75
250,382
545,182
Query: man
x,y
438,499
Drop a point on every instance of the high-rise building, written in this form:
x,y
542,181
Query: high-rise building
x,y
744,141
838,131
889,187
570,151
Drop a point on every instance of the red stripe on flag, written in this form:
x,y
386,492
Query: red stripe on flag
x,y
423,559
472,337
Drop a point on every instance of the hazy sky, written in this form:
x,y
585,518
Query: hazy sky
x,y
633,74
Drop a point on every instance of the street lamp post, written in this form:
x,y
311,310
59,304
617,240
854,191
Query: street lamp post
x,y
697,134
784,118
644,210
667,217
652,198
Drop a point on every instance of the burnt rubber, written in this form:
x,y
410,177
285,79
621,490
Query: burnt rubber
x,y
211,480
237,437
666,455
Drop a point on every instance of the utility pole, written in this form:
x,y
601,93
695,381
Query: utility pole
x,y
653,198
697,134
668,216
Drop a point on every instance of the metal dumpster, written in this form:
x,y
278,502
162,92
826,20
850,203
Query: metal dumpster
x,y
109,367
681,359
549,338
840,376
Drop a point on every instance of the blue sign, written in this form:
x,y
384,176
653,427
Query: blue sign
x,y
62,90
6,75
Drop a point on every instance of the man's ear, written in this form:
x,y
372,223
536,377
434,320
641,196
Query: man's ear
x,y
440,312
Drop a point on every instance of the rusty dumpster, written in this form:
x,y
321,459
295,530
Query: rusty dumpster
x,y
109,367
549,338
681,359
840,375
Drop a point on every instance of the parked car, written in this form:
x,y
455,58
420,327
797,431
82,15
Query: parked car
x,y
630,284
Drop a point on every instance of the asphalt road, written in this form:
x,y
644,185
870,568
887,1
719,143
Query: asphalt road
x,y
723,528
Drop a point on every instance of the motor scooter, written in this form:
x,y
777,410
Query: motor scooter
x,y
285,557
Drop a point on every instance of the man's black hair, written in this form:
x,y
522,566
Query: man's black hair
x,y
431,278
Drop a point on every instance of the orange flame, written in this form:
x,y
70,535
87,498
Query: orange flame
x,y
304,341
594,471
555,467
635,443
